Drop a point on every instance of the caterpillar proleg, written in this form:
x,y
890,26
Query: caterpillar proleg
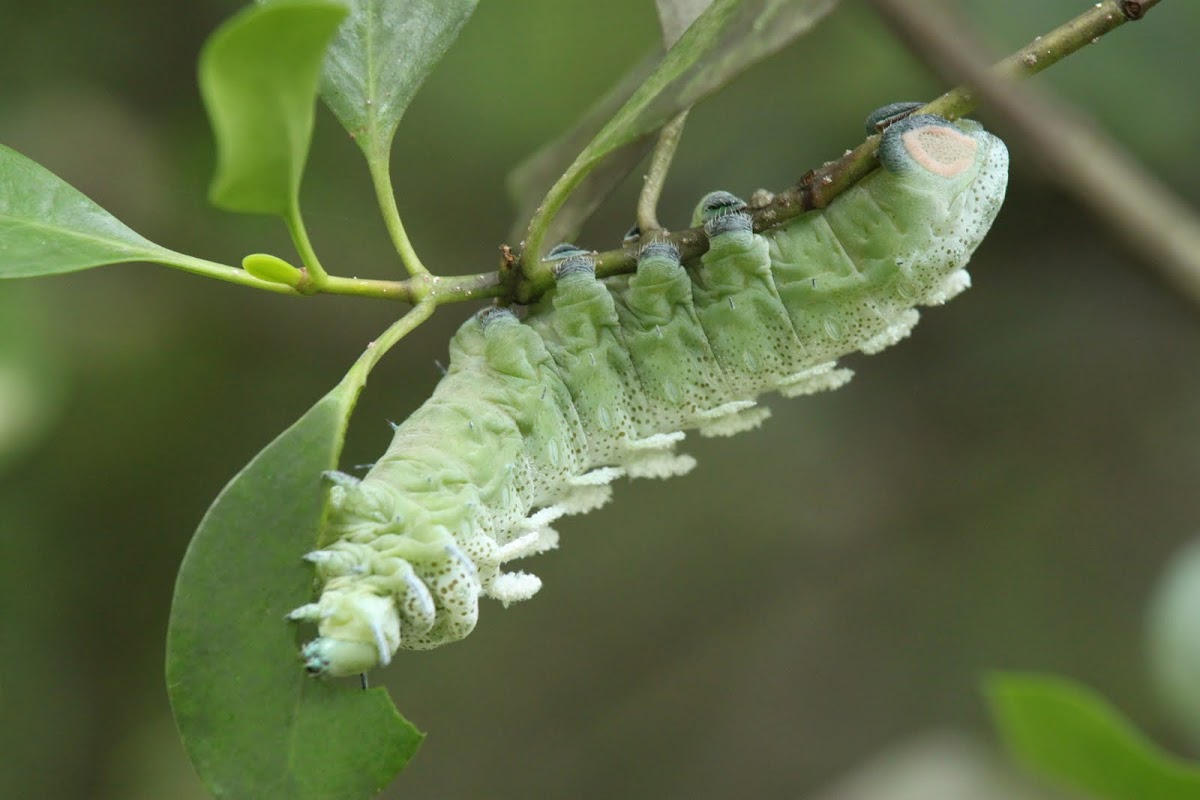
x,y
536,417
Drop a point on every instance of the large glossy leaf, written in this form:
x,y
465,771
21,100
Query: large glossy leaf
x,y
258,76
48,227
1070,733
380,57
726,39
254,725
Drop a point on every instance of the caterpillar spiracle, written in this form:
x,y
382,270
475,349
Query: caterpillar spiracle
x,y
536,417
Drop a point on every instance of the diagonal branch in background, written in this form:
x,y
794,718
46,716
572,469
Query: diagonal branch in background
x,y
818,188
1133,206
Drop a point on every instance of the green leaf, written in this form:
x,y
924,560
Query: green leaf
x,y
258,76
380,57
48,227
1069,732
254,725
726,39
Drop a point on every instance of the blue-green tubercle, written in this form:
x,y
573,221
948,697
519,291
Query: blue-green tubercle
x,y
537,417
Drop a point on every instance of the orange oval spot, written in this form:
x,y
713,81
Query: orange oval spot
x,y
941,150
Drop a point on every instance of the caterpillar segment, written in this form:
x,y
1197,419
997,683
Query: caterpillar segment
x,y
536,417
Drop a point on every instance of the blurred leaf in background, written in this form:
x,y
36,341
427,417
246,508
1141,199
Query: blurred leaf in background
x,y
1173,643
33,371
1067,732
937,766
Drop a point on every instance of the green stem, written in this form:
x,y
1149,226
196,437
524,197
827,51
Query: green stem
x,y
532,268
439,290
363,287
656,176
461,288
317,277
386,196
398,330
465,287
222,272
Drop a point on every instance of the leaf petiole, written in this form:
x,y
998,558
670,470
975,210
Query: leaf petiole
x,y
656,176
378,348
385,194
317,277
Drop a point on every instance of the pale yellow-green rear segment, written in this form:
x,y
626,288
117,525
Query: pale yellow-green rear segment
x,y
853,274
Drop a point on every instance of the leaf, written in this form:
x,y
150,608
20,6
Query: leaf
x,y
1067,731
48,227
380,57
254,725
258,77
725,40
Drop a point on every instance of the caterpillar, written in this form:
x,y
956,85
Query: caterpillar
x,y
537,416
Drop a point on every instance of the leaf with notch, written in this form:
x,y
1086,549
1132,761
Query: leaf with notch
x,y
253,723
258,77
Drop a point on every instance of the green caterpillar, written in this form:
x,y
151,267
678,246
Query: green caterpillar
x,y
536,417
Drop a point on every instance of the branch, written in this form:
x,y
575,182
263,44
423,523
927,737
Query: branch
x,y
819,187
1136,206
1133,205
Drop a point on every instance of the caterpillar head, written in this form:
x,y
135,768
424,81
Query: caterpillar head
x,y
883,117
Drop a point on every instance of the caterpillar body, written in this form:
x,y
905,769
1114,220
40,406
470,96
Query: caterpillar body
x,y
537,416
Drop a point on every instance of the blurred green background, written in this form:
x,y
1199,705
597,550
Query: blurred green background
x,y
1000,491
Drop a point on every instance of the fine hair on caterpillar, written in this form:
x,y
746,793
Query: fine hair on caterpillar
x,y
536,417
